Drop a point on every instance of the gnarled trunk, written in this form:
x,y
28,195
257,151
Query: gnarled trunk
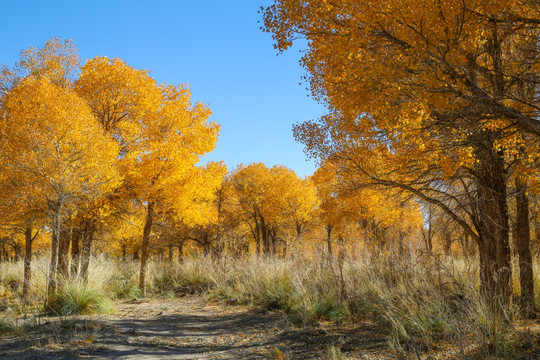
x,y
493,229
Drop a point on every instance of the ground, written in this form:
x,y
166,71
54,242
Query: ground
x,y
190,328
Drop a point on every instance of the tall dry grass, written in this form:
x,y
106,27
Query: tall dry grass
x,y
421,300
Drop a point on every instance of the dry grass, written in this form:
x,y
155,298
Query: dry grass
x,y
422,300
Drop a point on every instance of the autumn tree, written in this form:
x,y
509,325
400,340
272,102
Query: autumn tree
x,y
159,167
23,213
162,136
423,96
271,201
58,60
53,144
376,211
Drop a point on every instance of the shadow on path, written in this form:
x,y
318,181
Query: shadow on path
x,y
186,329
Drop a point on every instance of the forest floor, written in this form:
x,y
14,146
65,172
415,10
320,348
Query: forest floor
x,y
193,328
189,328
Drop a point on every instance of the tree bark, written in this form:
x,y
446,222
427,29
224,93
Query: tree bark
x,y
56,227
257,234
537,235
170,252
63,253
265,240
75,251
181,252
28,260
428,234
523,239
144,249
86,251
493,229
206,244
329,239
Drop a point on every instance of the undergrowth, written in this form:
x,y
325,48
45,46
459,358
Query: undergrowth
x,y
420,300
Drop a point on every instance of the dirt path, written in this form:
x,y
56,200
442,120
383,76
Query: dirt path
x,y
189,328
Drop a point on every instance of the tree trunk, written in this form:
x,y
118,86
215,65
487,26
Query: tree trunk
x,y
181,252
16,252
63,253
75,251
265,240
523,237
86,251
329,239
493,230
537,234
144,248
27,261
272,240
206,245
429,234
298,231
257,235
56,227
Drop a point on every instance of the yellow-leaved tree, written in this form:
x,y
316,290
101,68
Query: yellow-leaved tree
x,y
53,144
273,203
425,96
160,169
162,135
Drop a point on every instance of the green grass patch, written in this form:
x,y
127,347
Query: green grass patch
x,y
75,298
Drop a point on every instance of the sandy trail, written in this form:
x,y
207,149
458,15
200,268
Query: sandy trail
x,y
188,328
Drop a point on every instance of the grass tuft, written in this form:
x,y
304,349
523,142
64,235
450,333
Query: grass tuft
x,y
76,298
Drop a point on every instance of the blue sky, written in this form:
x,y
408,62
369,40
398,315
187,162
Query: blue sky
x,y
215,46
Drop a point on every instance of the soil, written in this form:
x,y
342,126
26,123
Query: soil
x,y
193,328
189,328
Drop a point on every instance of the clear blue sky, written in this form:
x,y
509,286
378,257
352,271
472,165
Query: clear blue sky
x,y
214,45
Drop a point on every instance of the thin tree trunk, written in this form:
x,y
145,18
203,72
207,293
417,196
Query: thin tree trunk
x,y
27,260
428,235
56,227
523,237
257,234
265,241
86,251
537,234
181,252
144,249
63,253
298,231
329,239
16,252
206,244
75,251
